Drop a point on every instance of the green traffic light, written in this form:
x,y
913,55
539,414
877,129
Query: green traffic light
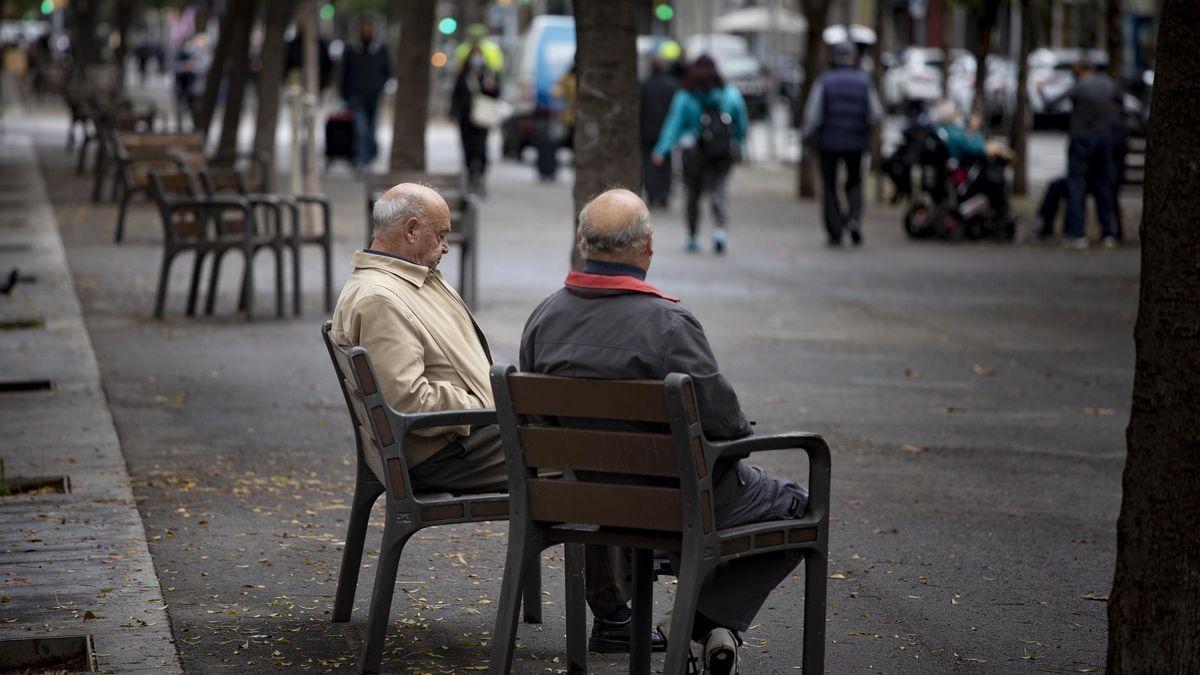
x,y
664,12
447,26
327,12
47,6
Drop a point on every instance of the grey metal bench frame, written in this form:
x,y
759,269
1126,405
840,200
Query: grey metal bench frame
x,y
407,513
549,511
464,220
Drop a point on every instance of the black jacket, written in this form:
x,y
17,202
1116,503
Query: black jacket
x,y
657,92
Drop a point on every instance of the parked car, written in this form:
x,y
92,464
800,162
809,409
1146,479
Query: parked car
x,y
999,89
544,55
1051,74
916,79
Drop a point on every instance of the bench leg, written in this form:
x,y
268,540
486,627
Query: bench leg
x,y
164,275
524,549
394,540
687,599
366,491
297,304
194,287
125,197
214,275
247,295
815,568
532,598
576,610
643,606
279,281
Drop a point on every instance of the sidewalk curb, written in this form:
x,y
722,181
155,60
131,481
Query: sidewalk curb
x,y
75,563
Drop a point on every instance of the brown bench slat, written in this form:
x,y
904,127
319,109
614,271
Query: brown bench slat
x,y
641,454
629,400
632,506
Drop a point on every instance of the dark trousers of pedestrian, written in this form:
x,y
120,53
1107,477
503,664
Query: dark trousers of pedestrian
x,y
1056,191
475,464
474,145
702,176
365,112
656,179
1089,170
546,140
835,219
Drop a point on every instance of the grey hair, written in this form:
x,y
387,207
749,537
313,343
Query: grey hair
x,y
390,212
631,236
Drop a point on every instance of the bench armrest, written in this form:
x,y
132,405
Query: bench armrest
x,y
812,444
450,418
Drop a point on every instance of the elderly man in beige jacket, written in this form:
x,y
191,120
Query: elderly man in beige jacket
x,y
428,352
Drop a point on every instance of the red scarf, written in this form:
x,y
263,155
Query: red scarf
x,y
604,282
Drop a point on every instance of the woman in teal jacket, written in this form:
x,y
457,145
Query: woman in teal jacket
x,y
708,119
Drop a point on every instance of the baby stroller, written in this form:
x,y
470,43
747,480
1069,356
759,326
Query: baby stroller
x,y
957,198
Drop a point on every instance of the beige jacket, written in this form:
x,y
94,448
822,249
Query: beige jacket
x,y
427,351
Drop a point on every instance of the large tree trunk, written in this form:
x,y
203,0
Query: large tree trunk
x,y
881,15
270,79
125,11
239,73
411,113
84,49
1019,134
988,15
816,13
607,103
1114,40
216,69
1154,611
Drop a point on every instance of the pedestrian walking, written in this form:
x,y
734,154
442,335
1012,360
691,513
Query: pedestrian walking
x,y
475,104
708,119
842,107
658,90
1094,98
366,69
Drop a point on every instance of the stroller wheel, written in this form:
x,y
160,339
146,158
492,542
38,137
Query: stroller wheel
x,y
949,226
919,221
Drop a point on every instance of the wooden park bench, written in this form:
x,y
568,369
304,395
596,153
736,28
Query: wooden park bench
x,y
464,219
663,501
379,435
136,154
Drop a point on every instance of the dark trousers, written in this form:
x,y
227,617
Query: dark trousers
x,y
474,144
475,464
1089,169
835,221
700,176
365,110
656,179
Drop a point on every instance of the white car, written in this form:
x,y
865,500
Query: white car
x,y
999,89
1051,74
916,79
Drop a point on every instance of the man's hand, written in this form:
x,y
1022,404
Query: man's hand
x,y
657,160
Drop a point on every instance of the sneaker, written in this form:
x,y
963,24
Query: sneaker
x,y
1109,242
719,241
1075,243
720,652
612,637
693,245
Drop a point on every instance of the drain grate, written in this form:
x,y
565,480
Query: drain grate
x,y
25,386
39,485
21,324
72,653
15,248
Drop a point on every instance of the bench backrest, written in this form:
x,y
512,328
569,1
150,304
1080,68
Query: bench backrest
x,y
157,147
637,443
369,415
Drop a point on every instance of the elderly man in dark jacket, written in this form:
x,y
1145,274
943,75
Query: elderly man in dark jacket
x,y
608,323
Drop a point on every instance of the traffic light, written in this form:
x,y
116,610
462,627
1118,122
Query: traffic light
x,y
448,25
664,12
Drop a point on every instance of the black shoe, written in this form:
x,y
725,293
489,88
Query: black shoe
x,y
855,233
610,637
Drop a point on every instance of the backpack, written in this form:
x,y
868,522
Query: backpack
x,y
716,135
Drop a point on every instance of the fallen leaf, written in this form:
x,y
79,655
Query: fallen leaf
x,y
1093,596
984,371
89,615
1103,412
912,374
913,449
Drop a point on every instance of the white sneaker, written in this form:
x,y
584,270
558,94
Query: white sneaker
x,y
1109,242
1075,244
720,652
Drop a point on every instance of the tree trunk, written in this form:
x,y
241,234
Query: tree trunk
x,y
1154,610
125,11
816,13
270,78
1019,134
1114,40
216,69
411,113
312,98
607,103
877,80
983,46
239,73
84,49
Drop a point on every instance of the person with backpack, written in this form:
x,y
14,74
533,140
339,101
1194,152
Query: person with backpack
x,y
841,109
708,119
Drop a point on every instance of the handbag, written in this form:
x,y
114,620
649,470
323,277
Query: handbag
x,y
485,110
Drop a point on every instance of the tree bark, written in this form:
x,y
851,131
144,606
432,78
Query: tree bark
x,y
270,79
239,73
125,11
989,14
816,12
881,15
84,49
216,70
411,113
1019,134
607,104
1114,40
1154,611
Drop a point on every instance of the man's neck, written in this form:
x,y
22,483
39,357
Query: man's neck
x,y
614,268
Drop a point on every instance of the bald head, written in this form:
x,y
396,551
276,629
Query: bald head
x,y
412,221
615,226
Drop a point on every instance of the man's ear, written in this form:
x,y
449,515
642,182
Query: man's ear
x,y
650,244
578,235
410,229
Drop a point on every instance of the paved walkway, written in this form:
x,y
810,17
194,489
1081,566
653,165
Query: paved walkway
x,y
74,563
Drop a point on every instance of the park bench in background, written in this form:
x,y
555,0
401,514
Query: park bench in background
x,y
379,435
671,510
137,154
464,219
201,224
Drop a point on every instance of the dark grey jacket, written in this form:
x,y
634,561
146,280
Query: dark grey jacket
x,y
622,334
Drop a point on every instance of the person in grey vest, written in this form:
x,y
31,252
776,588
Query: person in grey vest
x,y
608,323
1094,98
842,107
365,71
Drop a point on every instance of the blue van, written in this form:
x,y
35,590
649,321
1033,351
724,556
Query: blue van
x,y
544,55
